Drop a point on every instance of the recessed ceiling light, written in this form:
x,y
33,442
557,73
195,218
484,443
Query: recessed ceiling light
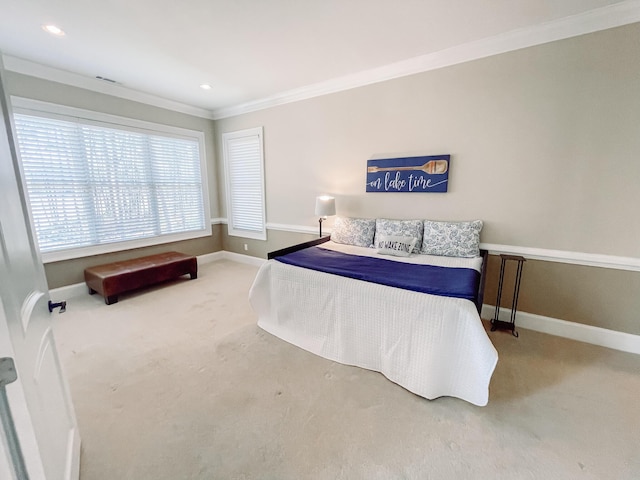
x,y
205,86
53,30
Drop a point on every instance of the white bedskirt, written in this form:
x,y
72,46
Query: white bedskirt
x,y
432,346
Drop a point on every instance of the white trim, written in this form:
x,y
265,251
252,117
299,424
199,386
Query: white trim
x,y
30,106
625,342
563,256
622,341
240,258
292,228
283,227
244,135
33,69
210,257
91,251
610,16
548,255
234,257
68,291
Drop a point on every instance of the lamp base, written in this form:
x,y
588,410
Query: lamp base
x,y
320,223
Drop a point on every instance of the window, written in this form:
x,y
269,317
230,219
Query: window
x,y
110,184
244,172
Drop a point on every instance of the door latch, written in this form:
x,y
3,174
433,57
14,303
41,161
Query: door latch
x,y
8,372
62,305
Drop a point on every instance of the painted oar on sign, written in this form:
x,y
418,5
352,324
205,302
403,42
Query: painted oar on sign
x,y
432,167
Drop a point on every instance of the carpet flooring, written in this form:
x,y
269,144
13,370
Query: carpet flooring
x,y
178,382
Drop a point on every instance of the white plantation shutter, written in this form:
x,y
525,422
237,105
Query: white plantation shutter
x,y
244,169
92,184
55,170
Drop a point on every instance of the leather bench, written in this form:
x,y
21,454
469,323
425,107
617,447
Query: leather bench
x,y
112,279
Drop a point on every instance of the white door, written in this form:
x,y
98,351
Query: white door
x,y
41,410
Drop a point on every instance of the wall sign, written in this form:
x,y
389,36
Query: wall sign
x,y
409,174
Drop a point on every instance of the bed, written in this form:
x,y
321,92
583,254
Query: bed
x,y
431,344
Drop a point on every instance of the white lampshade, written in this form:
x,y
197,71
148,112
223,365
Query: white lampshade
x,y
325,206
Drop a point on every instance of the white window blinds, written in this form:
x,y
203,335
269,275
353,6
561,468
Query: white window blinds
x,y
90,184
244,169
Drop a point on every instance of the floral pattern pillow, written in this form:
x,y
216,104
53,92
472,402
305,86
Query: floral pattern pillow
x,y
451,239
400,228
354,231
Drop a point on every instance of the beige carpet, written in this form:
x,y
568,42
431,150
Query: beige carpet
x,y
178,382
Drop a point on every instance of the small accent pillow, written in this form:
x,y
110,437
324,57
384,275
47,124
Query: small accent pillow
x,y
354,231
451,239
404,228
396,245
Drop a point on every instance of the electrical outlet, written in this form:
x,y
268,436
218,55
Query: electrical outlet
x,y
246,247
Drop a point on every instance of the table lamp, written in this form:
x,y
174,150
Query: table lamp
x,y
325,206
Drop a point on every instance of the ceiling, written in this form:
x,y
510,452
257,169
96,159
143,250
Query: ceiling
x,y
250,50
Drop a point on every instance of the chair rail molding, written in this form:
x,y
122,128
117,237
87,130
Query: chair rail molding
x,y
564,256
533,253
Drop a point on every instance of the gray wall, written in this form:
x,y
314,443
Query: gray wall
x,y
545,143
72,271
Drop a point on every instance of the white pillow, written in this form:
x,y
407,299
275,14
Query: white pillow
x,y
396,245
354,231
452,239
404,228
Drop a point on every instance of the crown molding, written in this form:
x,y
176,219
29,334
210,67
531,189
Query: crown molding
x,y
611,16
33,69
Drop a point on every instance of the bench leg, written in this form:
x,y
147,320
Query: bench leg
x,y
194,275
92,291
111,299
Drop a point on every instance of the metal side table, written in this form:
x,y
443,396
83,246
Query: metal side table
x,y
496,323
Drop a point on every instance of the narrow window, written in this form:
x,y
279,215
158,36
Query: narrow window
x,y
244,173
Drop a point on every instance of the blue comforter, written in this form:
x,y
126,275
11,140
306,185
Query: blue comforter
x,y
444,281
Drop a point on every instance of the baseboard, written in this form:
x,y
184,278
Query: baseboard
x,y
77,289
63,293
603,337
240,258
625,342
211,257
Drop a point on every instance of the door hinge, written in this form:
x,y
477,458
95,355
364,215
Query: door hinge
x,y
8,372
